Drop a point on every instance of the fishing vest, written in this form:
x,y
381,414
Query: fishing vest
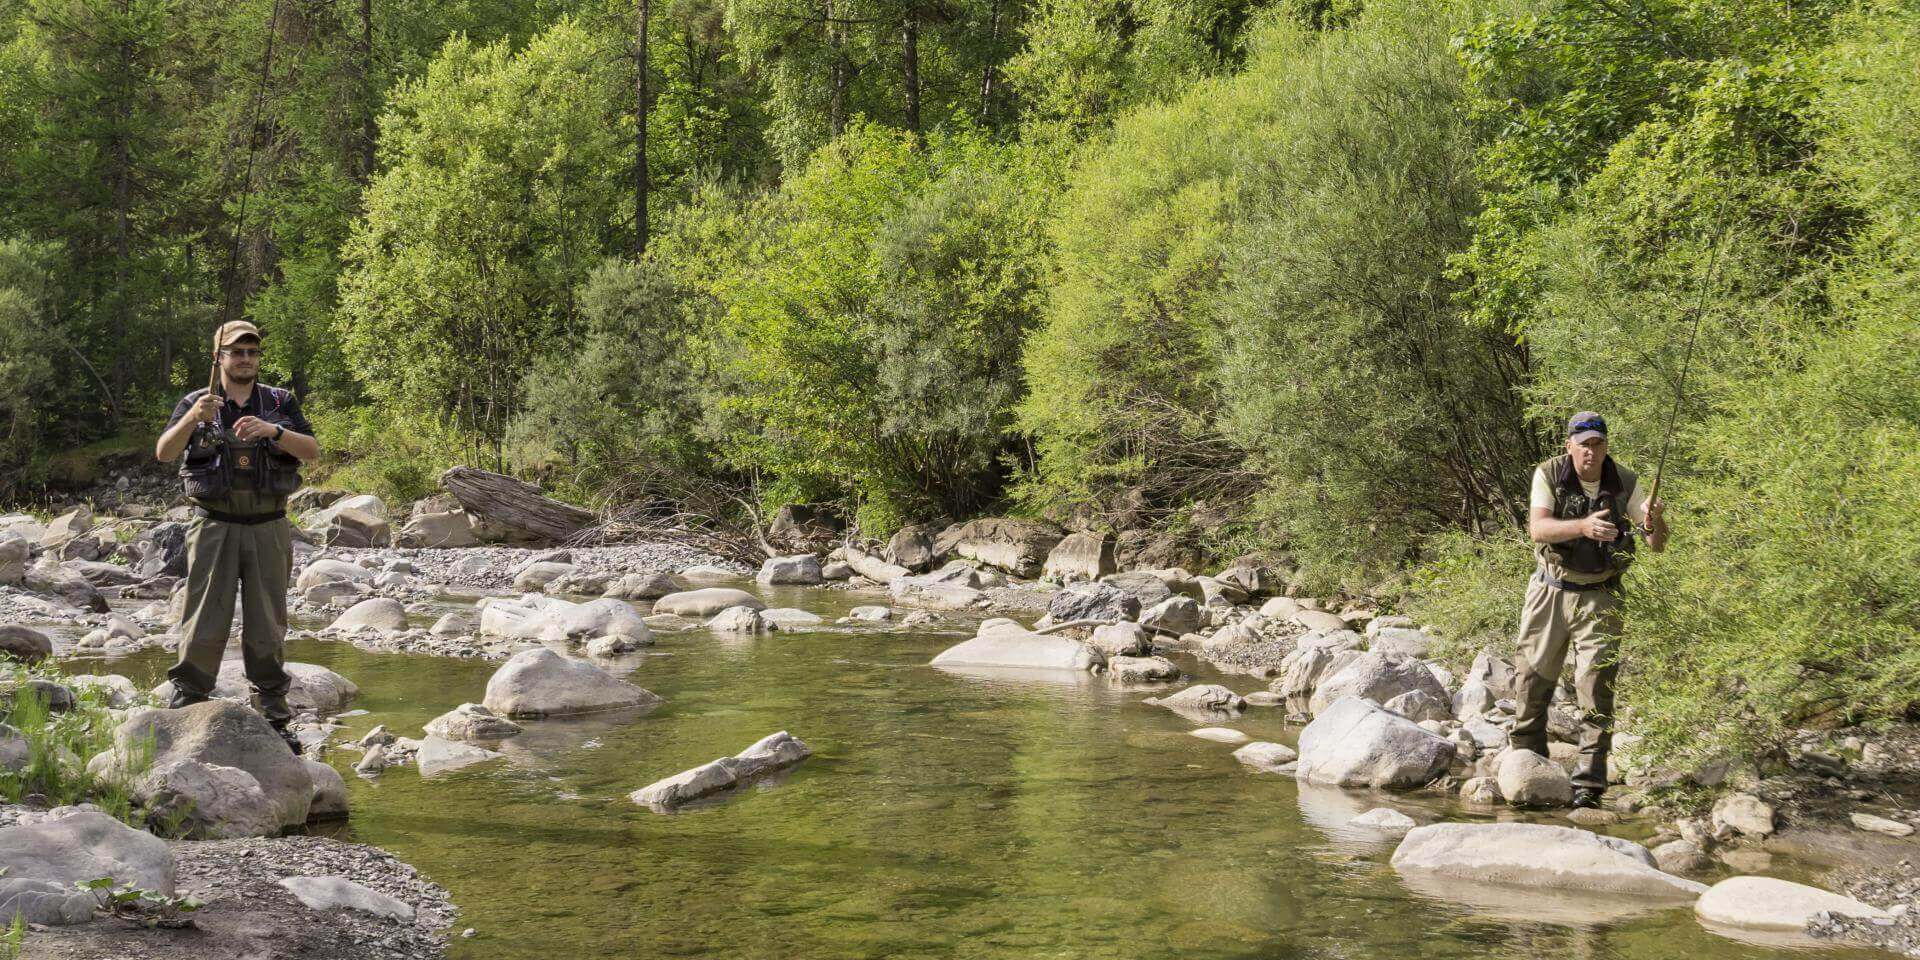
x,y
228,475
1583,560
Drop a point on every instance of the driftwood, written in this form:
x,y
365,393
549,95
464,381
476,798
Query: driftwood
x,y
515,504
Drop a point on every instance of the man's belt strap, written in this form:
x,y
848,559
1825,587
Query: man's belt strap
x,y
1577,587
245,519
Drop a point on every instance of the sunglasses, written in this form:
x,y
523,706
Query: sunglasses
x,y
244,353
1586,425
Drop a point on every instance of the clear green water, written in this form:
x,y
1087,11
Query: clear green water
x,y
942,815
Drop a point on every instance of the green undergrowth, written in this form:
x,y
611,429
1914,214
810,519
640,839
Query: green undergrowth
x,y
59,745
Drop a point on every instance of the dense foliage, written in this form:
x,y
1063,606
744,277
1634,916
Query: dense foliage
x,y
1316,279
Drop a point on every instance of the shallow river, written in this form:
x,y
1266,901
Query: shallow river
x,y
941,815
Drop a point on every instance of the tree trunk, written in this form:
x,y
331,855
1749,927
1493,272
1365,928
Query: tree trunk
x,y
515,504
369,123
840,77
641,184
910,61
993,51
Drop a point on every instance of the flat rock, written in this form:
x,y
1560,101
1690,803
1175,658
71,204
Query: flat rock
x,y
1765,903
437,756
1538,855
706,601
768,755
384,614
81,845
1016,647
1142,669
1892,828
1220,735
338,893
542,683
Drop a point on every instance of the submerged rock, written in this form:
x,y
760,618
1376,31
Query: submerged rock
x,y
706,601
1538,855
1764,903
471,721
1270,757
542,683
769,755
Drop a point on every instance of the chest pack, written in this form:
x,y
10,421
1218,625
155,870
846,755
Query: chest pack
x,y
1582,556
218,465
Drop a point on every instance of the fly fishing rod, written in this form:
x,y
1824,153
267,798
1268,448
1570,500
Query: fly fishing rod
x,y
1686,364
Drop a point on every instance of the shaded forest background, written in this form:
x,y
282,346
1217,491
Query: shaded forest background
x,y
1313,279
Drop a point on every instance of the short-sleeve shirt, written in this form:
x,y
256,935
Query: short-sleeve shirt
x,y
272,404
1542,498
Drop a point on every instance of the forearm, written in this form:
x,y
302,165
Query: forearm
x,y
1657,536
298,445
173,441
1550,530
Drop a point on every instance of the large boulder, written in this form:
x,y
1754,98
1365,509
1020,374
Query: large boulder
x,y
1398,641
542,683
1538,856
1764,903
329,792
1092,601
70,587
205,801
1121,640
874,568
1487,682
25,643
1080,556
453,528
217,733
911,548
805,523
41,862
1019,547
67,527
705,602
380,614
801,569
1528,779
364,503
1371,676
1358,743
102,574
1144,549
605,617
770,754
315,688
1146,587
1006,644
1174,616
1252,578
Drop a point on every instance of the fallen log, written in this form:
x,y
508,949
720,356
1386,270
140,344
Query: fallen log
x,y
515,504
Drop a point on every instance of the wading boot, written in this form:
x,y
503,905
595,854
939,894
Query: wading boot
x,y
1586,798
182,698
293,742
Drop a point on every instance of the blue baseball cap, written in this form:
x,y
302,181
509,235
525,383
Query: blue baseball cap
x,y
1585,425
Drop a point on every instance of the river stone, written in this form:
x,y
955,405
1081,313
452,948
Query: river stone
x,y
217,733
1012,646
1399,642
208,802
1488,681
1214,593
1383,819
82,845
874,568
1079,556
436,756
1481,790
528,618
327,570
1019,547
44,902
801,569
321,894
935,592
102,574
383,614
1251,578
1765,903
1269,757
1681,856
1121,640
870,613
535,576
1538,855
1892,828
706,602
1142,669
642,586
1356,743
791,618
613,646
603,618
1092,601
911,548
14,554
1225,735
315,688
455,623
1318,621
449,529
68,526
115,691
741,619
708,571
1744,813
1147,588
329,792
1207,697
471,721
1173,616
542,683
25,643
1528,779
769,754
1420,705
1371,676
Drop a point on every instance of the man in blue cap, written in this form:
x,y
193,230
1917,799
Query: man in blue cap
x,y
1586,512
